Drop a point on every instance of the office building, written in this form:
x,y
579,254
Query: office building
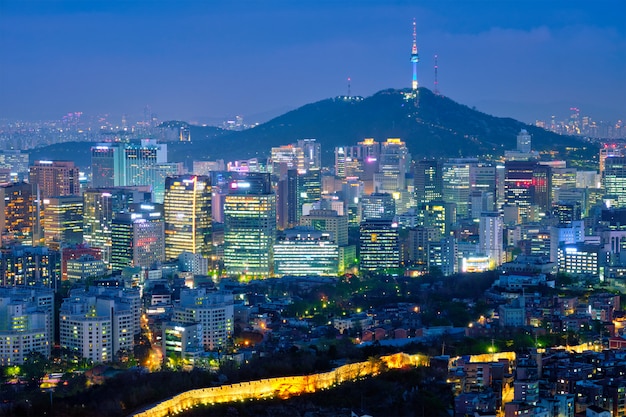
x,y
187,211
393,165
456,183
427,180
305,251
326,220
312,152
580,259
378,245
107,160
18,213
440,215
180,340
377,206
55,178
27,266
99,207
527,184
284,158
249,226
138,238
214,310
63,221
86,266
442,256
615,179
26,323
490,236
15,162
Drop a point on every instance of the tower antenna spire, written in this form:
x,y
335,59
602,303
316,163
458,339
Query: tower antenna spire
x,y
349,87
436,79
414,57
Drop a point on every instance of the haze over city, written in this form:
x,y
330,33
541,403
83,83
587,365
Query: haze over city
x,y
201,61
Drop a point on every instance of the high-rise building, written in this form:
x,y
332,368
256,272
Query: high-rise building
x,y
18,213
286,157
615,179
287,200
456,183
328,221
440,215
312,153
305,251
377,206
442,256
392,167
107,161
527,184
26,323
309,188
99,207
524,141
99,323
378,245
84,267
138,238
249,226
427,180
187,211
214,310
63,221
55,178
490,237
15,162
416,247
28,266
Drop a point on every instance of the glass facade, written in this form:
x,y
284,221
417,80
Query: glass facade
x,y
187,210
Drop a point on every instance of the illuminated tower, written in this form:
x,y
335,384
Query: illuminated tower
x,y
250,226
187,209
414,57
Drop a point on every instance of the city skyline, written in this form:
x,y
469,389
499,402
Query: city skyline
x,y
192,61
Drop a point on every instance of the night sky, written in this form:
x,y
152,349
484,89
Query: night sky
x,y
204,60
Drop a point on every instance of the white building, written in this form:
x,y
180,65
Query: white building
x,y
26,323
213,309
99,322
490,237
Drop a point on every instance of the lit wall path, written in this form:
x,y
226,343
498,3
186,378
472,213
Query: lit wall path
x,y
285,387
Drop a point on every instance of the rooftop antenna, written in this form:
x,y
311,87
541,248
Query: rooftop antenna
x,y
349,87
436,79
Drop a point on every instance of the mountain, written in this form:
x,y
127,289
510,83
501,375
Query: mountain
x,y
437,126
433,126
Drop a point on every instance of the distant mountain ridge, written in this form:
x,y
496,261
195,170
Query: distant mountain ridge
x,y
435,127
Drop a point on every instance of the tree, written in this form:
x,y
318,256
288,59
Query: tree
x,y
35,367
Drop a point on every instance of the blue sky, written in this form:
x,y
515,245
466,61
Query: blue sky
x,y
206,60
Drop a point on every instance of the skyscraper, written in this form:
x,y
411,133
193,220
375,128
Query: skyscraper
x,y
378,245
377,206
392,167
63,221
427,180
187,210
18,214
55,178
138,238
99,207
615,179
249,226
107,160
490,237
